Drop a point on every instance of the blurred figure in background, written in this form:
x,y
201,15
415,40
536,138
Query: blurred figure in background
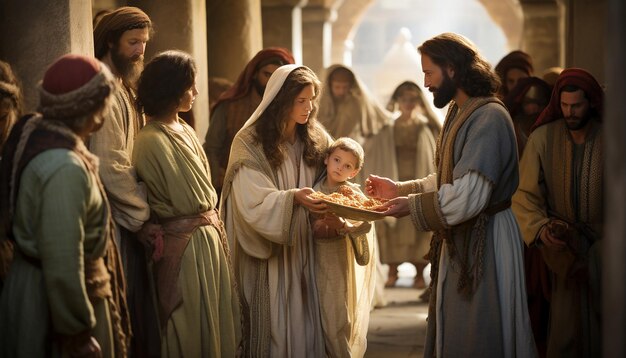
x,y
525,102
551,74
517,64
236,105
414,136
217,86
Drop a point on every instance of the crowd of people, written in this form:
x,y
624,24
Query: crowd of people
x,y
123,235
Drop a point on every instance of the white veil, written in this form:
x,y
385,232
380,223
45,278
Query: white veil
x,y
274,85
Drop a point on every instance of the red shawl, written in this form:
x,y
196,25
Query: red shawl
x,y
243,85
577,77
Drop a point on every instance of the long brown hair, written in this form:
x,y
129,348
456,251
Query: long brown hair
x,y
472,73
272,123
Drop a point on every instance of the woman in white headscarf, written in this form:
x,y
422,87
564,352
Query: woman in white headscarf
x,y
274,161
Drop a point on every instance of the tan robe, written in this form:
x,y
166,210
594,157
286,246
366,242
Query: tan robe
x,y
176,172
273,250
346,288
549,182
113,144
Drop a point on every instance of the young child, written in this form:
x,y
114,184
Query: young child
x,y
344,259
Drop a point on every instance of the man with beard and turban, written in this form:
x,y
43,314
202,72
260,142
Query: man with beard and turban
x,y
525,102
478,299
559,207
511,68
64,295
120,39
235,106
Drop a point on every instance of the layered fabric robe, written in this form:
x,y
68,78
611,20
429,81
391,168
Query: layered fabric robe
x,y
564,182
61,225
478,299
345,273
273,250
176,172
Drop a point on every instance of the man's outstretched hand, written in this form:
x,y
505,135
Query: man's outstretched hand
x,y
380,187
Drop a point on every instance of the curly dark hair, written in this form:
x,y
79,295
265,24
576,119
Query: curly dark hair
x,y
164,81
273,121
472,73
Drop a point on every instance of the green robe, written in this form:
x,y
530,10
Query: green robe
x,y
59,220
176,172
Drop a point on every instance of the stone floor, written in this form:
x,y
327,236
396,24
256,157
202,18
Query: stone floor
x,y
398,329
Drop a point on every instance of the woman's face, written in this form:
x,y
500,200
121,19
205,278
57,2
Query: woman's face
x,y
188,97
302,105
408,100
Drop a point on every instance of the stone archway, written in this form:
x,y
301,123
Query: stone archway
x,y
507,14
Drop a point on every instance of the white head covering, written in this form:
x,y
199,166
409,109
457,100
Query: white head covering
x,y
274,85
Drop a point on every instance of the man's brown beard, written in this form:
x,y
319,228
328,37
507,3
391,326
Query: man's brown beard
x,y
129,69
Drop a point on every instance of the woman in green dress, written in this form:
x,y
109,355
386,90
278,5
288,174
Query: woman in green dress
x,y
196,294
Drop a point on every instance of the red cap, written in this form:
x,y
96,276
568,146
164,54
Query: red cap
x,y
69,73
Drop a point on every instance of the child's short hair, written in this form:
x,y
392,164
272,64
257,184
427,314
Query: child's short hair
x,y
349,145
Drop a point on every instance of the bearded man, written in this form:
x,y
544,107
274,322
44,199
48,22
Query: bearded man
x,y
236,105
120,39
477,300
559,207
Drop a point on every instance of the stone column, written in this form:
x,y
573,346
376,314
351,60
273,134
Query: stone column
x,y
614,250
34,33
585,34
282,25
542,34
234,36
317,36
182,25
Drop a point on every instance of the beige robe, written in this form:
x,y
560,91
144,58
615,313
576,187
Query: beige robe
x,y
346,288
273,250
414,154
113,144
175,169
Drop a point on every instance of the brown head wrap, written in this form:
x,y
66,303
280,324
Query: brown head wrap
x,y
581,79
113,24
243,85
515,59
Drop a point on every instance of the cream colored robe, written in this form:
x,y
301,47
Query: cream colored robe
x,y
175,169
113,144
346,289
273,250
